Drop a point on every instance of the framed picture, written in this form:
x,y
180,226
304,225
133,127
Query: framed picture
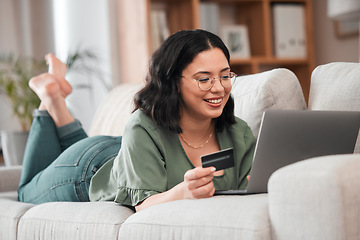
x,y
236,39
347,28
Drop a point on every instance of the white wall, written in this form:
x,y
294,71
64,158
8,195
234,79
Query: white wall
x,y
84,24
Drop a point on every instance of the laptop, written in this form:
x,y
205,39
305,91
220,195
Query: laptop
x,y
289,136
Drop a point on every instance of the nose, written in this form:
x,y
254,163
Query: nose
x,y
217,85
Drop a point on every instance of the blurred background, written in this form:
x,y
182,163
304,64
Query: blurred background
x,y
117,33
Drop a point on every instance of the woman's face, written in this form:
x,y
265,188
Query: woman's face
x,y
202,105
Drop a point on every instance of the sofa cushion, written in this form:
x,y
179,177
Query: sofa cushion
x,y
10,195
336,86
115,110
69,220
274,89
10,214
219,217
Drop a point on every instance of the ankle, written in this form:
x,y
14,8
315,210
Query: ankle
x,y
60,114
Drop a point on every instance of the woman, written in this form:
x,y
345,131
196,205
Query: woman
x,y
184,111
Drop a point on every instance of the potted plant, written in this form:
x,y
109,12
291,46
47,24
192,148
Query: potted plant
x,y
15,73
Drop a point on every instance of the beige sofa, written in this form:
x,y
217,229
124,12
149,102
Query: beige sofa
x,y
314,199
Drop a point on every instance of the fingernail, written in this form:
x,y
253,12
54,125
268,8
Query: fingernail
x,y
213,169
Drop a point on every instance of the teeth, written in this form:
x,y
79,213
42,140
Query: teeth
x,y
215,101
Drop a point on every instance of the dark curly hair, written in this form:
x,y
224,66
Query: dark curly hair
x,y
160,98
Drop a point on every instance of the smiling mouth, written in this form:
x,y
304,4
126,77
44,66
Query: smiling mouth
x,y
214,101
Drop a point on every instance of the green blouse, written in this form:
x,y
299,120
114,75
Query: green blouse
x,y
152,160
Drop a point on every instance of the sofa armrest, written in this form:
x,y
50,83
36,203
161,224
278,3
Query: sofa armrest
x,y
9,178
318,198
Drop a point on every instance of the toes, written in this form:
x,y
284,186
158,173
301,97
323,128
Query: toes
x,y
58,70
56,67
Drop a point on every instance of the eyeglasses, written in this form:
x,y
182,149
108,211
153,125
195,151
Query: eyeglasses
x,y
206,82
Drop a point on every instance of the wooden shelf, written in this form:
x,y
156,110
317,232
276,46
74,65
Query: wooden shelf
x,y
257,16
1,159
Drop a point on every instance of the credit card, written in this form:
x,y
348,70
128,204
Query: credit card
x,y
220,160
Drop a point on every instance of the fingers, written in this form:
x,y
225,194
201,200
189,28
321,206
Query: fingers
x,y
204,191
198,182
199,172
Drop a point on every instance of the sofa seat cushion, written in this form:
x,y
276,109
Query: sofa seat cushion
x,y
10,195
219,217
276,89
10,213
70,220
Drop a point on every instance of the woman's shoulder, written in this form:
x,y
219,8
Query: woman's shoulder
x,y
139,118
140,123
141,130
239,124
241,127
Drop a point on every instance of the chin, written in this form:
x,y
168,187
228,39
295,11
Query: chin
x,y
216,114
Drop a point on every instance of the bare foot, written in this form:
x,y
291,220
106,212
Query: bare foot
x,y
52,89
47,88
49,91
58,70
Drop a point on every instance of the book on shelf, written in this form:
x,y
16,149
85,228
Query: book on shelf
x,y
289,30
159,28
209,17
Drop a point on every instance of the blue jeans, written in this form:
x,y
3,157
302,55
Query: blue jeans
x,y
59,163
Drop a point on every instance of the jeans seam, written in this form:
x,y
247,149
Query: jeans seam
x,y
85,169
79,158
79,194
51,188
78,187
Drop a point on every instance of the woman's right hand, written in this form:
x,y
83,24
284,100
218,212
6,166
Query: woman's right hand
x,y
198,183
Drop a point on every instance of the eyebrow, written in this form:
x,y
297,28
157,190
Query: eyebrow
x,y
206,72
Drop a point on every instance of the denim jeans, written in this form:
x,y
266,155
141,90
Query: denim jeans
x,y
59,163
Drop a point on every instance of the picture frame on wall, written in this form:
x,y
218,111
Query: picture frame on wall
x,y
347,28
236,39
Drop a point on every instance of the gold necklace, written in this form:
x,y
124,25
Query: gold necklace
x,y
195,147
